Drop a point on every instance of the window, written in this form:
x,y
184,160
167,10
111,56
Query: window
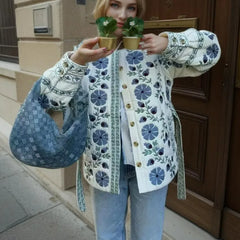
x,y
8,36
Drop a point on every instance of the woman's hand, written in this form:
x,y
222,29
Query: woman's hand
x,y
86,53
154,44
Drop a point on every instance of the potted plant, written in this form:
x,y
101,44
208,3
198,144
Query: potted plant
x,y
132,32
106,27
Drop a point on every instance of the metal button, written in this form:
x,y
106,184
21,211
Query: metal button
x,y
139,164
135,144
65,64
124,86
128,105
132,124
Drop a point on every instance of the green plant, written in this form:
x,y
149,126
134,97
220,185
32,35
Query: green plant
x,y
106,26
133,27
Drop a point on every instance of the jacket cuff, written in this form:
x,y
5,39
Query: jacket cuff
x,y
69,70
177,42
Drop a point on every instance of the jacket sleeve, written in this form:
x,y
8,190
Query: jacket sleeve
x,y
61,82
190,53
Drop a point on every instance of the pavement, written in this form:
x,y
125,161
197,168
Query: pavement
x,y
28,211
31,211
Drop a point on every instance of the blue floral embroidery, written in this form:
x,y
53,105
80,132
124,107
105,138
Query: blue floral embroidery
x,y
150,64
146,73
102,178
44,102
132,68
92,79
150,162
135,81
142,92
213,50
134,57
149,132
157,176
98,97
104,86
101,63
100,137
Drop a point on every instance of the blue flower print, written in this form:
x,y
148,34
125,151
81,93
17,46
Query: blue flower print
x,y
148,145
149,132
142,92
143,119
104,86
132,68
92,118
102,178
150,64
92,79
105,165
150,162
213,50
44,102
141,104
103,109
154,110
146,72
134,57
157,85
205,58
104,73
87,72
100,137
104,124
157,176
98,97
161,151
104,150
101,63
135,81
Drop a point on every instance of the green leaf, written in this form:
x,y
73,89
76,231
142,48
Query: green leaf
x,y
106,26
133,27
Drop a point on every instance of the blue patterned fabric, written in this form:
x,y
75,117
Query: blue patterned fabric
x,y
36,140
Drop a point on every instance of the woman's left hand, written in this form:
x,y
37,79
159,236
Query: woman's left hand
x,y
153,43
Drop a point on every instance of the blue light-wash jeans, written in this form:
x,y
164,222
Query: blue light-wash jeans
x,y
147,210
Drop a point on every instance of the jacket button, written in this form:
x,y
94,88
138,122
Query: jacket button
x,y
139,164
124,86
132,124
135,144
128,105
65,64
121,68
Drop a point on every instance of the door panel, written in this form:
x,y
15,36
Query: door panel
x,y
231,216
201,103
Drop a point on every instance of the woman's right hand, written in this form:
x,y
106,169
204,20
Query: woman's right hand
x,y
85,53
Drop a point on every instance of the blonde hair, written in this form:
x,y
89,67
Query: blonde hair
x,y
101,7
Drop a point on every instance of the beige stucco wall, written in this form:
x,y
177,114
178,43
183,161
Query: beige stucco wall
x,y
71,23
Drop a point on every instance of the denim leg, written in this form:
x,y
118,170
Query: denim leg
x,y
110,211
147,212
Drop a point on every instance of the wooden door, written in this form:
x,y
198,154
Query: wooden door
x,y
231,213
204,107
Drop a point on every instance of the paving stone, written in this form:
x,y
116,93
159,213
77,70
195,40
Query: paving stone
x,y
11,211
29,193
57,223
9,166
